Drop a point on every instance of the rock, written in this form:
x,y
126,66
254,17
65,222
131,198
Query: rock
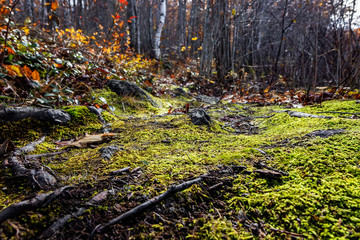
x,y
301,115
97,112
108,152
200,117
325,133
207,99
124,89
44,114
42,178
178,92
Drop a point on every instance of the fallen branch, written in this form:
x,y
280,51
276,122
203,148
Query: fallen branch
x,y
56,226
40,200
142,207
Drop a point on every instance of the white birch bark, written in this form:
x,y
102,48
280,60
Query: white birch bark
x,y
157,38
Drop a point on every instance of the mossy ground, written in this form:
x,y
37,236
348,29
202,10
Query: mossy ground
x,y
320,199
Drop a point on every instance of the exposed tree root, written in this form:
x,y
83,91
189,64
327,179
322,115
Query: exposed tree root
x,y
37,177
44,114
142,207
56,226
39,200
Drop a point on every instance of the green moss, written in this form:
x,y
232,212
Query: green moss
x,y
108,117
218,229
319,198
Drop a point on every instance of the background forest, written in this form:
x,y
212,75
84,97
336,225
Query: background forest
x,y
302,43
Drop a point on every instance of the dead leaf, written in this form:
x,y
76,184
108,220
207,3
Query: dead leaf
x,y
89,139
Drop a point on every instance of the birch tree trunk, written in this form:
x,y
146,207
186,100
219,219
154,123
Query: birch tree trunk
x,y
157,38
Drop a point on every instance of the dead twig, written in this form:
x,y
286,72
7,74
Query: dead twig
x,y
287,232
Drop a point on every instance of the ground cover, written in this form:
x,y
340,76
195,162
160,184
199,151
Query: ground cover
x,y
319,198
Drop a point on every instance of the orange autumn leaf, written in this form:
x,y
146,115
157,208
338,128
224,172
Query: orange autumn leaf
x,y
10,51
148,83
54,5
27,71
4,11
35,75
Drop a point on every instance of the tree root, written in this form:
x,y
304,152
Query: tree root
x,y
56,226
39,200
37,177
144,206
55,116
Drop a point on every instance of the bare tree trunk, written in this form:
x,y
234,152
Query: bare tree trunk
x,y
132,22
276,65
157,38
138,36
206,53
181,24
29,8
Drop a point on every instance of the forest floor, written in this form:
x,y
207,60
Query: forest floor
x,y
255,171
